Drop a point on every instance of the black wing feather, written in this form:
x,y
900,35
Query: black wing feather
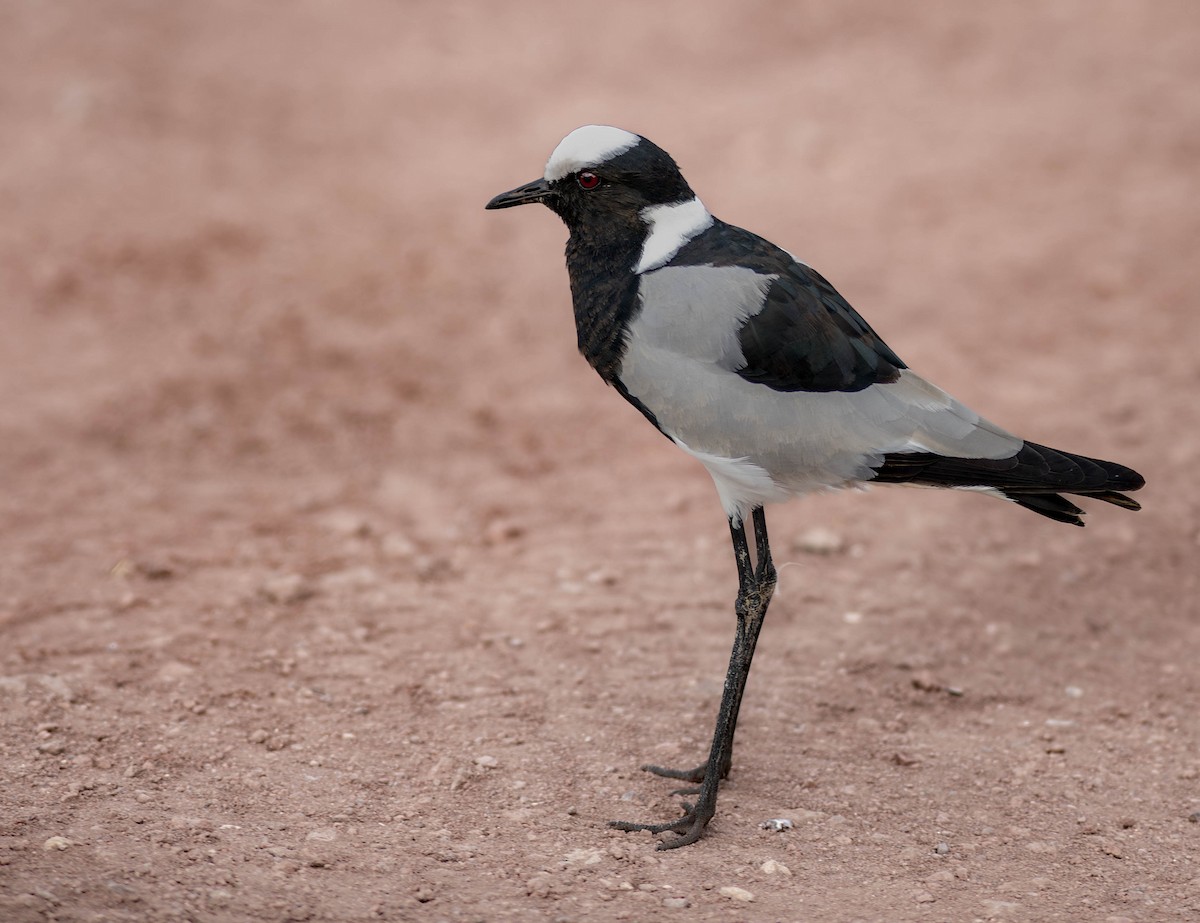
x,y
807,337
1033,478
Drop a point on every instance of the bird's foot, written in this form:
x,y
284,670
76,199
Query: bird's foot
x,y
690,826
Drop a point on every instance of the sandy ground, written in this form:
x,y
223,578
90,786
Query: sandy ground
x,y
334,586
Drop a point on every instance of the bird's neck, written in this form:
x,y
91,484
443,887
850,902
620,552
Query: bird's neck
x,y
604,290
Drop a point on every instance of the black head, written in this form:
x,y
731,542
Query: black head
x,y
600,176
629,211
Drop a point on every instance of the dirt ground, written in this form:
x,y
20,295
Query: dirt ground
x,y
335,586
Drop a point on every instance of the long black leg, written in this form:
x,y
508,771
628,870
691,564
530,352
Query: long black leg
x,y
755,587
764,586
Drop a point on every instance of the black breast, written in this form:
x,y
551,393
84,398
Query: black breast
x,y
604,291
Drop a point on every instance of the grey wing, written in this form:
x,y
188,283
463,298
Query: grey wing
x,y
683,360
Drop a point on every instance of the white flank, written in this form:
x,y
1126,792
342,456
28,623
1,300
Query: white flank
x,y
990,491
588,146
741,485
671,226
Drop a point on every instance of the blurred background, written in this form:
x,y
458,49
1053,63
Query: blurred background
x,y
284,409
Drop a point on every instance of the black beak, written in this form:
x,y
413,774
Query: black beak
x,y
537,191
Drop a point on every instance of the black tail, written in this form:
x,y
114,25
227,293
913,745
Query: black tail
x,y
1033,478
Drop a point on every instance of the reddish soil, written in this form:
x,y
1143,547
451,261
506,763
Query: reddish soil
x,y
334,586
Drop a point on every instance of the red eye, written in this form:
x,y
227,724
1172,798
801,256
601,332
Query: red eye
x,y
588,180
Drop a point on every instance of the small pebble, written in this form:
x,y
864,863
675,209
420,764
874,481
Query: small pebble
x,y
820,541
923,897
56,842
396,545
779,824
735,893
322,835
286,588
676,903
942,849
583,857
771,867
487,762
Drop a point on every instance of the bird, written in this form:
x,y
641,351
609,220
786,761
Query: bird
x,y
750,361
